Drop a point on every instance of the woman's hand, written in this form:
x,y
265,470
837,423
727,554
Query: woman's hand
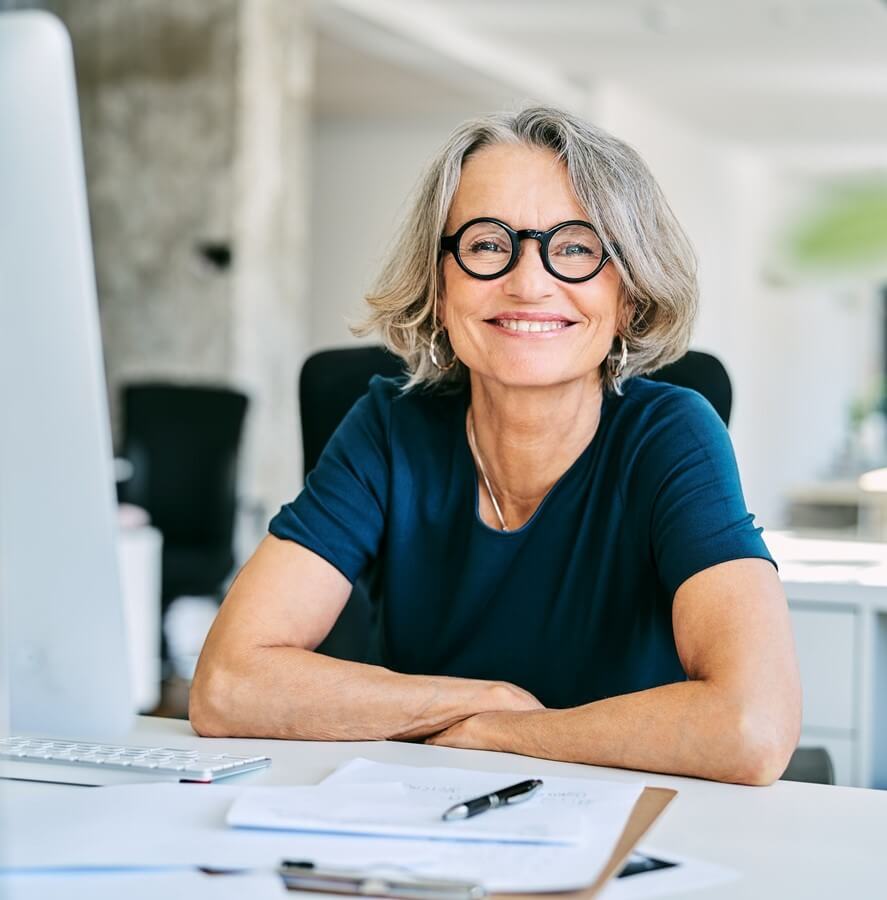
x,y
511,698
489,730
474,733
494,697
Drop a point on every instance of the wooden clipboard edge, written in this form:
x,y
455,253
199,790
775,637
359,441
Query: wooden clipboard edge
x,y
647,810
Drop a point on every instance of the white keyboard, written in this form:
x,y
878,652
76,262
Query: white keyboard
x,y
79,762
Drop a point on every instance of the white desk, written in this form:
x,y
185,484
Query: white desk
x,y
788,840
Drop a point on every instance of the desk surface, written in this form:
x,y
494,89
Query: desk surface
x,y
787,840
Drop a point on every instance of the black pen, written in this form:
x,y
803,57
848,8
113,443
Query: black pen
x,y
504,797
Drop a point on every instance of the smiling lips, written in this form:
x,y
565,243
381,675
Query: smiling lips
x,y
531,324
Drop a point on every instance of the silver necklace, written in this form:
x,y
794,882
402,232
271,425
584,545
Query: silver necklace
x,y
483,472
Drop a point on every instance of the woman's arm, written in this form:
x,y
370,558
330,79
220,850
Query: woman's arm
x,y
258,676
737,719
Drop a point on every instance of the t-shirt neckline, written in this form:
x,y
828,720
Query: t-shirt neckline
x,y
474,475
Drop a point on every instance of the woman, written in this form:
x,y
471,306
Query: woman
x,y
560,552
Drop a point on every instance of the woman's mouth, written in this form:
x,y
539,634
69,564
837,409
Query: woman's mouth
x,y
531,326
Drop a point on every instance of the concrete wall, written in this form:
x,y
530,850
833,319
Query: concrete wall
x,y
195,116
270,312
157,99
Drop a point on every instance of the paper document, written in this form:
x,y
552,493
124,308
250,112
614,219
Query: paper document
x,y
602,807
396,809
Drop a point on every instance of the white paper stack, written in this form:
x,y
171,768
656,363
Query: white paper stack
x,y
394,809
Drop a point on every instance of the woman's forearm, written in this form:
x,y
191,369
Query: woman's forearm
x,y
287,692
689,728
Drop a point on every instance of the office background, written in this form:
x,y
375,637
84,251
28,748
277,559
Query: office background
x,y
247,161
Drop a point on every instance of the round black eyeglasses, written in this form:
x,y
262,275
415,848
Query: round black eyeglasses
x,y
487,248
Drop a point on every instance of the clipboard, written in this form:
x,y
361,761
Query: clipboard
x,y
647,810
303,875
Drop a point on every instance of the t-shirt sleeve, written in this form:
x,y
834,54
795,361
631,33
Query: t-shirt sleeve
x,y
340,513
698,515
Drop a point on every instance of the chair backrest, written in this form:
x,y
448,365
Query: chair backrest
x,y
812,765
183,443
703,373
330,383
333,380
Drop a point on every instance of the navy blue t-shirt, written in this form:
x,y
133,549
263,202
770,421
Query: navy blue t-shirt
x,y
574,606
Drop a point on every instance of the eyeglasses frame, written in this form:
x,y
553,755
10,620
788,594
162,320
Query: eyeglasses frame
x,y
451,243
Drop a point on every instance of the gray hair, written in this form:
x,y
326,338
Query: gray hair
x,y
622,201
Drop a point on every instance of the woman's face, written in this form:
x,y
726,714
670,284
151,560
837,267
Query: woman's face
x,y
525,188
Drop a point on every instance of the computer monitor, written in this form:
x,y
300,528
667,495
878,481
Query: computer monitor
x,y
64,649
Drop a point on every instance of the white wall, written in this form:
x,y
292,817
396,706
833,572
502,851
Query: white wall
x,y
364,171
804,352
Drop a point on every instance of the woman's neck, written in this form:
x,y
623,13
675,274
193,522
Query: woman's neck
x,y
527,438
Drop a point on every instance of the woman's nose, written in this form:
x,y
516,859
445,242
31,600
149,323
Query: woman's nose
x,y
529,279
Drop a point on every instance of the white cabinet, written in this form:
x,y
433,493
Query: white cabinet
x,y
826,639
837,594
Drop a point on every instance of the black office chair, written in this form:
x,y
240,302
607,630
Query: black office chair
x,y
703,373
332,380
183,443
330,383
812,765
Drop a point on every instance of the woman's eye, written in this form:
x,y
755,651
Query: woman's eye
x,y
485,247
574,250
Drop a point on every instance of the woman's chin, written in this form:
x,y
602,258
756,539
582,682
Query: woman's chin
x,y
536,376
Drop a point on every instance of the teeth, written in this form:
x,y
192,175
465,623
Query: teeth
x,y
525,325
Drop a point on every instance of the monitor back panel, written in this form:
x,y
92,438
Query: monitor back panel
x,y
63,629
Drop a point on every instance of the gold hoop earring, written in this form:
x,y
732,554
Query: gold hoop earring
x,y
432,350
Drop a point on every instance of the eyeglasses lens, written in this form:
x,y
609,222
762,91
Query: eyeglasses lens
x,y
575,251
485,248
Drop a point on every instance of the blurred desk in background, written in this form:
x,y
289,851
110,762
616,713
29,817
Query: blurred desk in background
x,y
832,505
838,506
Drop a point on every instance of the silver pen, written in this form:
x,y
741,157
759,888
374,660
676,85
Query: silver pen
x,y
515,793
